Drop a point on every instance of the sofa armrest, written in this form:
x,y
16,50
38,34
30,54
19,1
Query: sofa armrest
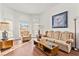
x,y
70,40
29,35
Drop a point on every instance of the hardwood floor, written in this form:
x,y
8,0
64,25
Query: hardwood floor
x,y
30,50
26,50
16,42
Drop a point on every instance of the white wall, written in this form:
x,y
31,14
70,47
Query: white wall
x,y
8,14
35,21
73,12
0,11
15,17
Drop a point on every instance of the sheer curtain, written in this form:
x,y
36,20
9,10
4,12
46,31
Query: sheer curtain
x,y
23,26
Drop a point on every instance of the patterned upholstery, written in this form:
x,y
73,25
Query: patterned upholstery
x,y
57,35
71,35
25,36
63,39
65,36
49,33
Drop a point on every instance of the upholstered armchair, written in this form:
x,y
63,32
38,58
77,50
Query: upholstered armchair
x,y
25,36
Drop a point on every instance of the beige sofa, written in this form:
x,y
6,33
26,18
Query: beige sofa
x,y
63,39
25,35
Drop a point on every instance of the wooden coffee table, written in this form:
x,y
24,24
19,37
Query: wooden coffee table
x,y
47,49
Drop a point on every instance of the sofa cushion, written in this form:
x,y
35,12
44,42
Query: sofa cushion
x,y
51,39
56,35
49,34
65,36
61,42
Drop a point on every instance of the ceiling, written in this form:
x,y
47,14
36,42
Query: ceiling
x,y
30,8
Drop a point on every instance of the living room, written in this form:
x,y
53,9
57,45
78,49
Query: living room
x,y
39,19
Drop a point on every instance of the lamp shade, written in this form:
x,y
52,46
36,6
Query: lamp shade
x,y
4,26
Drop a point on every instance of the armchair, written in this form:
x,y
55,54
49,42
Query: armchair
x,y
25,36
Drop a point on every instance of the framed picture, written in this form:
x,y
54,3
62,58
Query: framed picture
x,y
60,20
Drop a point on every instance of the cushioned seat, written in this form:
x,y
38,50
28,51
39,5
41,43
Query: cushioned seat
x,y
25,35
61,42
63,39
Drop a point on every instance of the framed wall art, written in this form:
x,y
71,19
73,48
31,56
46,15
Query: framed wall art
x,y
60,20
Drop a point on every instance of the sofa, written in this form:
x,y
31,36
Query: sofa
x,y
63,39
25,35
